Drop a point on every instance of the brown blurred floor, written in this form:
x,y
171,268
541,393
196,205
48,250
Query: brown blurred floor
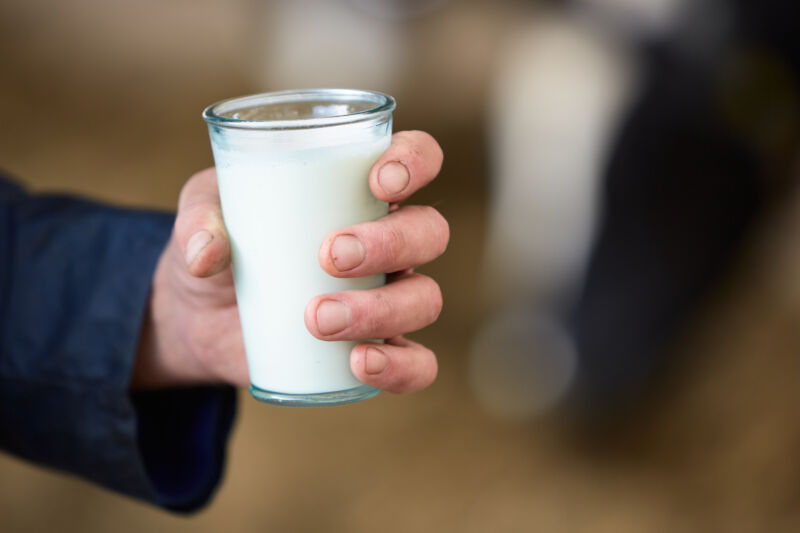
x,y
719,451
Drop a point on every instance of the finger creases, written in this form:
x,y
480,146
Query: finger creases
x,y
406,305
400,366
406,238
413,160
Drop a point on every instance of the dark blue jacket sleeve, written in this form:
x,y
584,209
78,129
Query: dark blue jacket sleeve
x,y
74,284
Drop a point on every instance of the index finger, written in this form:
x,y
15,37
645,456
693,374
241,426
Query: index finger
x,y
412,161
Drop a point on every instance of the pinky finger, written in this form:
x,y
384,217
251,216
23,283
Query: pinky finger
x,y
400,366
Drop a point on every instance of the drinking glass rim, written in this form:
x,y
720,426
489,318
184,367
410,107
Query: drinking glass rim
x,y
384,104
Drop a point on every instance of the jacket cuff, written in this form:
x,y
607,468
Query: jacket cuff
x,y
182,438
75,279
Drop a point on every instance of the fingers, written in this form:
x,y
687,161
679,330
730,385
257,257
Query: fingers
x,y
408,304
412,161
400,366
406,238
199,228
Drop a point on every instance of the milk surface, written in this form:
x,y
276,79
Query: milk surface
x,y
282,193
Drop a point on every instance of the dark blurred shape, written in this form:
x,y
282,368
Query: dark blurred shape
x,y
712,137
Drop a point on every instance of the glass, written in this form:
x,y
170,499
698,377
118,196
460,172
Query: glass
x,y
293,166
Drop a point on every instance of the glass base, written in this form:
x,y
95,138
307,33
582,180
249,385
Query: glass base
x,y
321,399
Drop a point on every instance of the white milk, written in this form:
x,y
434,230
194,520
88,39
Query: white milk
x,y
282,193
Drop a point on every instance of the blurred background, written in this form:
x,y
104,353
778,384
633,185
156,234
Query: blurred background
x,y
619,349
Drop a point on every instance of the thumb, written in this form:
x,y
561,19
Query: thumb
x,y
199,228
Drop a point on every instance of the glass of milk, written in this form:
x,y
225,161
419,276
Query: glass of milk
x,y
293,166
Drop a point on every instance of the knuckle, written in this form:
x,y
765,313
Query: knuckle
x,y
437,301
439,153
442,225
374,313
429,371
393,243
384,310
434,226
420,373
182,225
434,145
186,192
433,299
405,136
190,185
440,229
406,154
402,382
399,385
186,219
196,183
427,148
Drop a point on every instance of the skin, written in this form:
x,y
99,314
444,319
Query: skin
x,y
192,333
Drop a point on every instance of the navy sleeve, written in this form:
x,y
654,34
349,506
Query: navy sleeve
x,y
74,284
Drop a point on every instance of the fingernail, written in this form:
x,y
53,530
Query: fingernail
x,y
393,177
375,361
196,243
332,317
347,252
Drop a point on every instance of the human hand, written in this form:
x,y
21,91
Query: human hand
x,y
192,334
